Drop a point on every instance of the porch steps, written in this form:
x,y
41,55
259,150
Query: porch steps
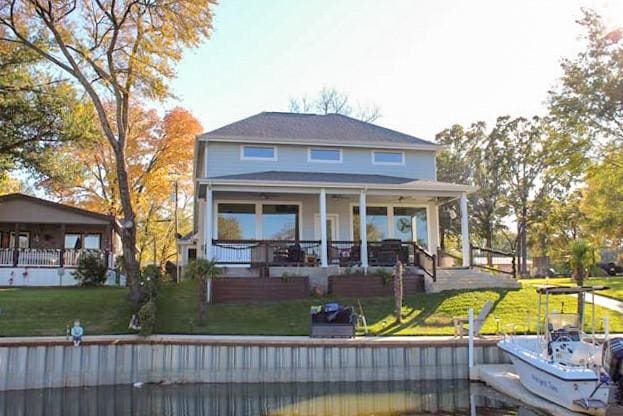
x,y
466,278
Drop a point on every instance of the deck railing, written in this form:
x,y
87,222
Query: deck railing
x,y
493,260
6,256
307,253
267,252
48,257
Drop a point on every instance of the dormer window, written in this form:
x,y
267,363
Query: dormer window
x,y
324,154
388,158
258,152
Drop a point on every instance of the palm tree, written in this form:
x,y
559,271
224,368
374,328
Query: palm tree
x,y
203,271
581,257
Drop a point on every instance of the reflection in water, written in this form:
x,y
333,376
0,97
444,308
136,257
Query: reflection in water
x,y
300,399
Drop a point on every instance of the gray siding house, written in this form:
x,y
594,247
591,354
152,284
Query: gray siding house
x,y
321,191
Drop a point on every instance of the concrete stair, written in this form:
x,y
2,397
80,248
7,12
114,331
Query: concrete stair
x,y
466,278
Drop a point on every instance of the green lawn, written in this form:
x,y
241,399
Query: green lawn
x,y
47,311
37,311
614,284
424,314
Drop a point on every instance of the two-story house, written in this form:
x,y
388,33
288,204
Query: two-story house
x,y
322,191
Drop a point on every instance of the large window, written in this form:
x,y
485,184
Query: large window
x,y
236,221
376,221
388,158
410,224
76,241
23,240
322,154
280,222
258,152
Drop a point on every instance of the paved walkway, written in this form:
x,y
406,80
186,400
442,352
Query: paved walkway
x,y
606,302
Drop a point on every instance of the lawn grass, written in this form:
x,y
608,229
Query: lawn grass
x,y
423,313
614,284
46,311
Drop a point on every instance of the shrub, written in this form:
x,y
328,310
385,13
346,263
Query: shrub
x,y
91,270
151,277
201,270
147,318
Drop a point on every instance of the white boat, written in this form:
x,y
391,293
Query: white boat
x,y
561,364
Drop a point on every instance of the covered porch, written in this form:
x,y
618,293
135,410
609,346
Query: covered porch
x,y
323,220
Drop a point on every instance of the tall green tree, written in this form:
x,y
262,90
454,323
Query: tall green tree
x,y
588,103
38,113
542,161
589,97
474,156
117,52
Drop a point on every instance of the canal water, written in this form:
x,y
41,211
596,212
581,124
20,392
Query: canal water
x,y
295,399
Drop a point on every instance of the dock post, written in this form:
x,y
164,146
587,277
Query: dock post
x,y
606,328
470,345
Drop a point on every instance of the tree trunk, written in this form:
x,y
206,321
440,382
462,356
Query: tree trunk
x,y
398,291
524,241
128,232
489,244
579,279
203,297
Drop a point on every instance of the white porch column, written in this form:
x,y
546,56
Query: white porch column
x,y
201,206
465,231
208,224
363,229
324,262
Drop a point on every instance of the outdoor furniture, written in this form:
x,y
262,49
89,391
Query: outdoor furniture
x,y
332,320
461,323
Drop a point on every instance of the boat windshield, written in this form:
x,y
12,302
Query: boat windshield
x,y
563,326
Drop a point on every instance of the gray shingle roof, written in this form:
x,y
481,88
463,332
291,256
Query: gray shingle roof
x,y
340,178
313,129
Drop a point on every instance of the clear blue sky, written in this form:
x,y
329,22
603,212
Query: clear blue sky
x,y
427,64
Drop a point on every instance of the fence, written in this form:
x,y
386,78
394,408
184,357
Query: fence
x,y
493,260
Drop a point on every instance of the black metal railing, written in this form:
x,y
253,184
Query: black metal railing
x,y
493,260
425,261
344,253
267,252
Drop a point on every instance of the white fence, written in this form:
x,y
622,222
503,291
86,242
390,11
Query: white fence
x,y
50,257
6,256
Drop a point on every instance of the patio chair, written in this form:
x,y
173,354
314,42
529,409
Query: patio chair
x,y
461,323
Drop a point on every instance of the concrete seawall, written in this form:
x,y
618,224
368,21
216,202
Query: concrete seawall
x,y
33,363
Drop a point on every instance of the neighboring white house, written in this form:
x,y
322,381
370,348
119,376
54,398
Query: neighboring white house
x,y
285,189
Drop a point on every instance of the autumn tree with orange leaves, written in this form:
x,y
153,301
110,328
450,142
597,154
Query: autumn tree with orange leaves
x,y
159,154
116,52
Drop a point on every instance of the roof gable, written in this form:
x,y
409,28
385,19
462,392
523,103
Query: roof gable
x,y
29,209
331,129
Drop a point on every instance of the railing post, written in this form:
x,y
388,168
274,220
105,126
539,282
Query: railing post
x,y
471,255
514,267
61,257
434,268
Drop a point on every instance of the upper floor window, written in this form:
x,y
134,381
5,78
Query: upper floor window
x,y
322,154
258,152
388,158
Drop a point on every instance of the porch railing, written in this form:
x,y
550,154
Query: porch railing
x,y
307,253
36,257
425,261
267,252
6,256
493,260
48,257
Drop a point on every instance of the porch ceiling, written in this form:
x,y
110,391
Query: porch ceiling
x,y
345,183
